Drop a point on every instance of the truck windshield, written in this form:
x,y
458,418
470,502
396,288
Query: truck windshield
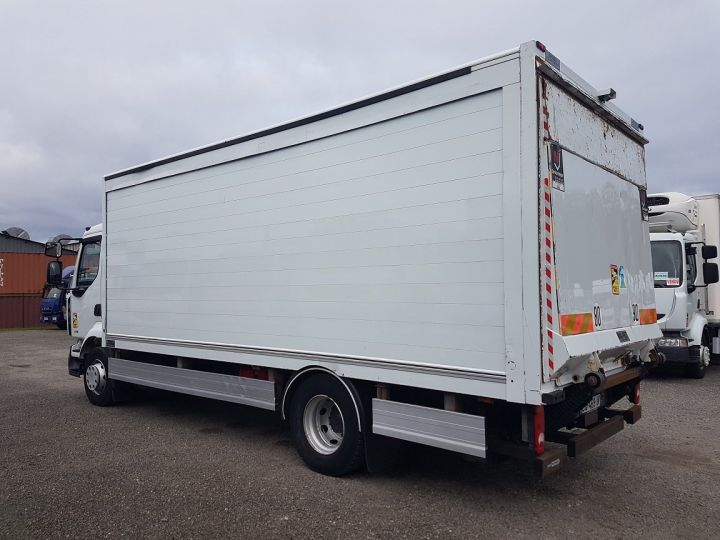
x,y
667,261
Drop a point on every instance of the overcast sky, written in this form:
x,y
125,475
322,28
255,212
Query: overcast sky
x,y
90,87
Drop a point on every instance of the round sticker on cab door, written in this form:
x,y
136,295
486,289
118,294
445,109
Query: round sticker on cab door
x,y
614,279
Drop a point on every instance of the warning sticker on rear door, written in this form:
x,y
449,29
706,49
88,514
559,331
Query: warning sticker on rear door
x,y
615,279
556,167
621,274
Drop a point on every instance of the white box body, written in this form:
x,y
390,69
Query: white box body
x,y
401,239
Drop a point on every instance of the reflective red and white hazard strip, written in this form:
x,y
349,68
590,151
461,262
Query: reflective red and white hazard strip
x,y
547,227
549,268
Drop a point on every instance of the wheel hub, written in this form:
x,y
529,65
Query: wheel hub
x,y
96,377
323,424
705,355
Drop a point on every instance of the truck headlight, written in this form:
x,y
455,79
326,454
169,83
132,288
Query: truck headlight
x,y
672,342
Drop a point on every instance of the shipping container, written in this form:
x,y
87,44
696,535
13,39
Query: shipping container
x,y
22,281
24,273
20,311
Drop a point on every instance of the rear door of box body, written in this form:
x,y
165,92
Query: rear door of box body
x,y
596,273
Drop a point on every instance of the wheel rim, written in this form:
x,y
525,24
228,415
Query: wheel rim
x,y
323,424
96,377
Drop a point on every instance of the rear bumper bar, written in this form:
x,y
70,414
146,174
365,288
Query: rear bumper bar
x,y
574,444
580,444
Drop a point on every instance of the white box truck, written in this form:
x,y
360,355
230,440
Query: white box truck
x,y
462,261
709,218
685,232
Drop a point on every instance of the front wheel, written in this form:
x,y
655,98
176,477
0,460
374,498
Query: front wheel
x,y
324,425
701,353
98,386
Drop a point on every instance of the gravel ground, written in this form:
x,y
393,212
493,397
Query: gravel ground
x,y
179,467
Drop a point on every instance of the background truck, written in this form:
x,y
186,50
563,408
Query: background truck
x,y
684,236
709,213
462,262
53,308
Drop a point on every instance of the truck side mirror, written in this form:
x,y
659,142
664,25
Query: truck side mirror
x,y
710,273
54,272
709,252
53,249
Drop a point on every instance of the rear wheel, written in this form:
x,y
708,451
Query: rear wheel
x,y
98,386
324,424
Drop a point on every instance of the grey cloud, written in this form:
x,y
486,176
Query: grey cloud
x,y
91,87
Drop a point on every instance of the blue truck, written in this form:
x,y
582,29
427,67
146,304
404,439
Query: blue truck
x,y
53,307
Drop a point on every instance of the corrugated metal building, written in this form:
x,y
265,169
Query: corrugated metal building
x,y
23,266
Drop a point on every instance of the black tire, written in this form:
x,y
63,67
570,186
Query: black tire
x,y
346,452
697,369
98,388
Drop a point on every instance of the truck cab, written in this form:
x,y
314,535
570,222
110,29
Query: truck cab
x,y
83,297
682,273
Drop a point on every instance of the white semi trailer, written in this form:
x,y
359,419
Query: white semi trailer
x,y
685,232
462,261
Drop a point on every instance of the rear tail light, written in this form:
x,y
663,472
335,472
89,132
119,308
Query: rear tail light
x,y
539,430
635,394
